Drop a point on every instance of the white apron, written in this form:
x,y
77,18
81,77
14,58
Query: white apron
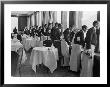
x,y
65,52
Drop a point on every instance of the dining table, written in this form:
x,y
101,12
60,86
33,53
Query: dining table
x,y
18,47
44,55
30,42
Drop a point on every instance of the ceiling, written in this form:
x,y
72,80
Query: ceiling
x,y
21,13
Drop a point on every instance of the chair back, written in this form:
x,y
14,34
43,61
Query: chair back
x,y
14,62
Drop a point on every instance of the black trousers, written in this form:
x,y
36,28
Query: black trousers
x,y
96,66
57,45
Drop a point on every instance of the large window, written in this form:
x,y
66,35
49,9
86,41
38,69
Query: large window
x,y
89,17
14,23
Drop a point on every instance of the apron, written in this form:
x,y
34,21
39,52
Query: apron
x,y
75,58
65,52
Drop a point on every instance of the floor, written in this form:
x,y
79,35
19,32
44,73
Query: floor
x,y
43,71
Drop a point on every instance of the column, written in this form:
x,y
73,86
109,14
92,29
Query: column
x,y
78,18
59,16
50,17
54,17
28,21
37,18
67,19
40,19
64,19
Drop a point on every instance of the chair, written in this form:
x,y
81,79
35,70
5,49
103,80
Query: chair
x,y
14,62
16,59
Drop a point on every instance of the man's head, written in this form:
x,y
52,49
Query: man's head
x,y
71,27
59,25
45,25
84,28
50,25
96,24
56,24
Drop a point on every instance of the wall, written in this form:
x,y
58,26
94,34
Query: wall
x,y
22,22
72,17
77,18
14,23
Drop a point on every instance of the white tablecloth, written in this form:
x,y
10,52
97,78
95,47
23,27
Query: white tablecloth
x,y
41,55
15,46
18,47
31,42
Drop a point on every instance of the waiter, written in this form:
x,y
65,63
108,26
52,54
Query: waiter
x,y
78,41
92,45
92,37
80,36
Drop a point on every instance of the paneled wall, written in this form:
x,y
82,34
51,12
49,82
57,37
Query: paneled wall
x,y
22,22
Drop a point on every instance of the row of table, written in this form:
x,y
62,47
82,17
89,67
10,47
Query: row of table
x,y
40,54
49,55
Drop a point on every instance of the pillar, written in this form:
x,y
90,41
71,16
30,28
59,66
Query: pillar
x,y
64,19
59,16
78,19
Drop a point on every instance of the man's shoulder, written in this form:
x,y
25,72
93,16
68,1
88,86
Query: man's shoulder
x,y
65,30
91,29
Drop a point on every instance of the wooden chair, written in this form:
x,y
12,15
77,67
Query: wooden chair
x,y
14,62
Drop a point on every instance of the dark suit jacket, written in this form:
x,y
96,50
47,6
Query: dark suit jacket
x,y
91,38
43,32
55,34
82,40
19,37
68,35
71,35
98,36
47,32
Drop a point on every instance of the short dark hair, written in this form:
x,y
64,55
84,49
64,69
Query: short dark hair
x,y
59,25
45,25
56,23
95,22
49,24
70,26
84,26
